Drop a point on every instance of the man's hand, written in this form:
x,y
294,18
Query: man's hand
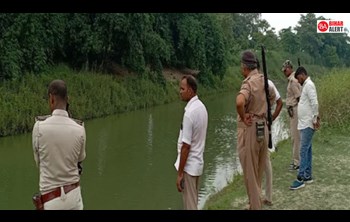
x,y
317,124
247,119
178,182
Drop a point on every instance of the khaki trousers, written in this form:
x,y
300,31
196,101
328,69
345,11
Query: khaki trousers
x,y
252,155
70,201
190,192
295,136
268,178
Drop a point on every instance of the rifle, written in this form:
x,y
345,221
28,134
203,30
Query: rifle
x,y
269,116
298,61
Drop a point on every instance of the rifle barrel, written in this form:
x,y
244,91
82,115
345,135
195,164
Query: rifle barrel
x,y
269,116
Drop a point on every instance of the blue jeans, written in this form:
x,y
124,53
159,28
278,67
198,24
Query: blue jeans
x,y
305,168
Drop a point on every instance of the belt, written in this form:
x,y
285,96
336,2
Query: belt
x,y
256,117
57,192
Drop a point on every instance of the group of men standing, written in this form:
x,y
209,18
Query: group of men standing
x,y
302,106
59,160
252,131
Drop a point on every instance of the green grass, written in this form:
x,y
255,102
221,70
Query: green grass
x,y
91,95
333,91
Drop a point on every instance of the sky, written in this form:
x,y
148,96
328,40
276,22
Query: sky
x,y
284,20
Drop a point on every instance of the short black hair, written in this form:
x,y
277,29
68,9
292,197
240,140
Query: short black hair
x,y
58,88
300,70
191,82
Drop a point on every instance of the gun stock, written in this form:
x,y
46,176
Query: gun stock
x,y
269,116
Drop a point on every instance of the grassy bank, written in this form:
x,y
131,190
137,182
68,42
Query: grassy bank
x,y
331,161
91,95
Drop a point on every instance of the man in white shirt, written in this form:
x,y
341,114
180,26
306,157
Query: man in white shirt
x,y
307,123
191,143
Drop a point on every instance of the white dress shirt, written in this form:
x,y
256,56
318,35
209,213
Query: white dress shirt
x,y
193,132
308,105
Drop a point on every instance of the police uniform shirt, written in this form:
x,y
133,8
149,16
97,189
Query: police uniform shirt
x,y
253,90
293,91
58,144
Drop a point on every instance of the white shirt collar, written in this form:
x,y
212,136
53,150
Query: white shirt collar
x,y
191,101
60,112
306,80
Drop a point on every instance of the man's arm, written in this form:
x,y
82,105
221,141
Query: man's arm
x,y
312,95
240,103
82,154
185,149
278,100
35,143
296,89
279,105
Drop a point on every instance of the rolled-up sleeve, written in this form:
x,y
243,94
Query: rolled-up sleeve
x,y
245,91
187,130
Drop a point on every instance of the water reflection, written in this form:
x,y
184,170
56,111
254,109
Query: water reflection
x,y
101,151
221,141
150,139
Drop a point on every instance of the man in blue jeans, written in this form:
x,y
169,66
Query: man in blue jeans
x,y
308,122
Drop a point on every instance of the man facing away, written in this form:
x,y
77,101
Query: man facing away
x,y
59,147
191,143
252,132
292,99
307,124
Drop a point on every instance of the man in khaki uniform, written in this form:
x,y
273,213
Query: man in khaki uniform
x,y
292,99
252,131
59,147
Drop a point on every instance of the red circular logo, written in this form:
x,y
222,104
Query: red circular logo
x,y
322,26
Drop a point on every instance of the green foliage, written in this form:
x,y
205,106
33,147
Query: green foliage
x,y
205,42
91,95
333,89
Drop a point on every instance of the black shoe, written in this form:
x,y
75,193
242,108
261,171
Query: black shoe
x,y
308,181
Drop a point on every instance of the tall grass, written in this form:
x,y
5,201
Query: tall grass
x,y
333,91
91,95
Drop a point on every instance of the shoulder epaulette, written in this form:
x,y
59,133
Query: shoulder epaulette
x,y
246,79
41,118
80,122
